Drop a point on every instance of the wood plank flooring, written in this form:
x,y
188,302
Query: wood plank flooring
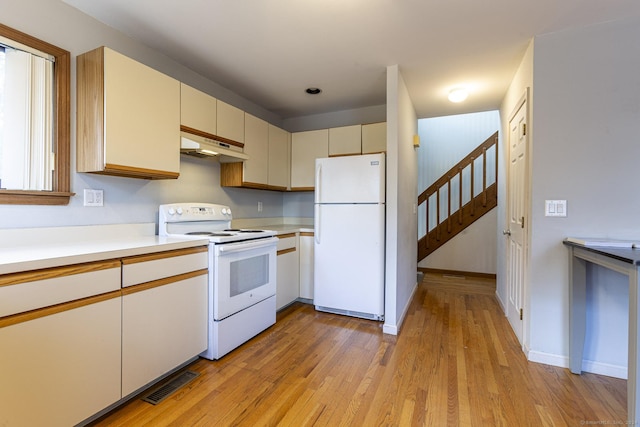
x,y
456,362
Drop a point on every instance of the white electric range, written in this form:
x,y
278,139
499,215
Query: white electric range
x,y
242,271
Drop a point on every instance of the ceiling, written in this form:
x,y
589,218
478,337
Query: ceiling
x,y
270,51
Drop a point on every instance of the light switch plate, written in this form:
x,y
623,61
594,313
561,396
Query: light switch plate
x,y
555,208
93,197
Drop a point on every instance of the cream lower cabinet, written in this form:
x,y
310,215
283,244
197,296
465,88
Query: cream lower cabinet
x,y
164,314
128,117
59,362
306,265
287,273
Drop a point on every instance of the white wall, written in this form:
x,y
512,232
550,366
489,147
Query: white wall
x,y
127,200
377,113
473,250
402,225
585,149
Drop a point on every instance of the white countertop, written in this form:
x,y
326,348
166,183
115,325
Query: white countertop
x,y
54,247
288,228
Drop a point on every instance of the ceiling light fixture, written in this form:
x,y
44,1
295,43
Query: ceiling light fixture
x,y
458,94
313,90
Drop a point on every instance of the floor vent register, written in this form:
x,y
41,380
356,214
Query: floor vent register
x,y
166,390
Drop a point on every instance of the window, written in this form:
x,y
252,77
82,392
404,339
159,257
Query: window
x,y
34,120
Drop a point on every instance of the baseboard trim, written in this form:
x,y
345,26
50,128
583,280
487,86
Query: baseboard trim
x,y
395,329
457,273
599,368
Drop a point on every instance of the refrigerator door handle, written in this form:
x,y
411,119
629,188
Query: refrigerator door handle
x,y
316,231
318,179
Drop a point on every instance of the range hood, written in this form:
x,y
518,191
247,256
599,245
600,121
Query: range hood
x,y
200,146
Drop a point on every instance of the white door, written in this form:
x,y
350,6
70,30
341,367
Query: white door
x,y
516,232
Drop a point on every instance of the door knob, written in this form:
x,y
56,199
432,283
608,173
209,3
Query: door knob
x,y
506,232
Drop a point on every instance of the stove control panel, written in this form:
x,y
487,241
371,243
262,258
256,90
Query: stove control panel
x,y
193,212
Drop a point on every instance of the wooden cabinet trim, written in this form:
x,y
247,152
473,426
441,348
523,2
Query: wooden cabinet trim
x,y
286,236
286,251
164,255
54,272
133,172
58,308
306,234
90,110
211,136
162,282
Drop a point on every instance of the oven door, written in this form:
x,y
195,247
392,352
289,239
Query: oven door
x,y
244,273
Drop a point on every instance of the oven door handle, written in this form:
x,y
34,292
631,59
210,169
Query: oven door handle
x,y
248,245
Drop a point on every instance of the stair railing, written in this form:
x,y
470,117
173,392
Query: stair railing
x,y
479,200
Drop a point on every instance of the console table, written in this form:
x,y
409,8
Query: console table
x,y
622,260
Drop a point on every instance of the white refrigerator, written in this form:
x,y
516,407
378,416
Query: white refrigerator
x,y
349,242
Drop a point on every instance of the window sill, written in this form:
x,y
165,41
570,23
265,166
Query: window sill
x,y
19,197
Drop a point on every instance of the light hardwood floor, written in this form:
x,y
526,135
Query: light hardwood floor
x,y
455,362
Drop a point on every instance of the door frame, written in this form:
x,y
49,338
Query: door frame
x,y
526,101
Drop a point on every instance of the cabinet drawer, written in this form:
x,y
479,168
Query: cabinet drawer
x,y
20,292
287,243
146,268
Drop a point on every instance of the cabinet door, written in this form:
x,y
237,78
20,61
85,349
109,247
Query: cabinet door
x,y
287,288
230,122
256,146
142,116
279,157
374,138
162,327
197,109
128,117
306,147
59,369
306,265
345,140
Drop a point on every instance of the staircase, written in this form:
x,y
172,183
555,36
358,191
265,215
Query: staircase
x,y
459,197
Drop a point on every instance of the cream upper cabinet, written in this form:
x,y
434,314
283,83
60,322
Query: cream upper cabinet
x,y
128,117
279,158
345,140
230,122
256,146
306,147
374,138
197,109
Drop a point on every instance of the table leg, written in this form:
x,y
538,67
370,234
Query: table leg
x,y
632,370
577,311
